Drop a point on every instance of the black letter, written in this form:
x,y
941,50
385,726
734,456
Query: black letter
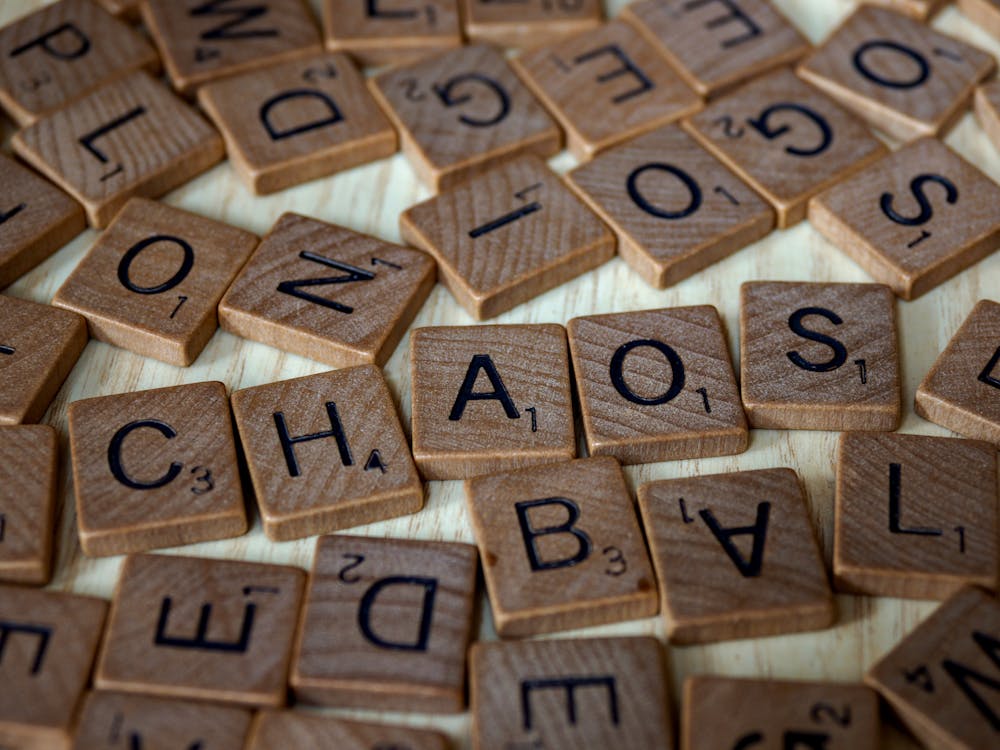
x,y
762,127
639,199
985,376
126,262
444,94
499,392
426,612
43,633
926,211
115,455
725,536
6,216
895,507
963,675
372,11
735,14
529,533
839,350
569,684
200,640
627,68
87,141
240,16
82,43
276,135
353,274
676,368
336,431
923,69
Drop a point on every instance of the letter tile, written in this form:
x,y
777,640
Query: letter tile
x,y
533,23
280,730
29,478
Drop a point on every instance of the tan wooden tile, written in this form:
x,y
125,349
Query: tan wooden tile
x,y
897,73
717,44
326,452
278,730
506,236
213,630
787,140
386,625
919,9
819,356
297,121
941,679
58,53
985,14
528,23
489,398
586,694
987,107
111,145
128,9
39,345
325,292
155,469
152,282
673,207
657,385
736,556
462,112
29,478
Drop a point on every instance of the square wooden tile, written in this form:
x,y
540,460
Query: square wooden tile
x,y
152,282
941,679
47,645
489,398
462,112
819,356
919,9
29,479
914,219
529,23
297,121
897,73
736,556
326,452
155,469
278,730
787,140
987,107
386,625
327,293
506,236
585,694
657,385
60,52
561,547
111,145
984,14
211,630
717,44
39,345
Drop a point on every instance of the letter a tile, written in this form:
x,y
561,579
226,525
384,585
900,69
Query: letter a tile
x,y
280,730
29,478
533,23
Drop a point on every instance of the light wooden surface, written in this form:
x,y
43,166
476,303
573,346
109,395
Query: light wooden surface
x,y
370,199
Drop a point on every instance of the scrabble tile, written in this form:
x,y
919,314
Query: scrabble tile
x,y
277,730
203,41
941,679
58,53
787,140
36,219
462,112
39,345
212,630
819,356
123,8
155,469
112,144
736,556
507,236
529,23
326,452
386,625
657,385
919,9
151,283
962,389
987,107
897,73
717,44
298,121
985,14
29,478
47,646
561,547
324,292
489,398
584,694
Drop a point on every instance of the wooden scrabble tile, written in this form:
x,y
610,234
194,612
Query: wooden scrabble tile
x,y
327,293
897,73
39,345
736,556
561,547
528,23
942,678
915,515
787,140
47,646
60,52
298,121
152,282
29,478
586,694
819,356
985,14
277,730
462,112
717,44
489,398
212,630
508,235
673,207
657,385
202,41
112,144
987,107
123,8
386,625
155,469
326,452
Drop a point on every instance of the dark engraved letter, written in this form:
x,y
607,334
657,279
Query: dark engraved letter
x,y
42,632
895,507
373,11
923,71
336,431
353,274
570,685
736,15
239,15
926,210
792,740
627,68
839,350
87,141
6,216
135,742
499,393
986,375
200,639
115,455
964,677
331,117
529,533
429,586
444,92
762,126
631,184
78,46
133,252
725,536
676,369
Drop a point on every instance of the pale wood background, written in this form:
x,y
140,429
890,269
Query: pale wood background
x,y
369,199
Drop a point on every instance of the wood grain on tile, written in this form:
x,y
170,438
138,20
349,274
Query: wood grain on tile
x,y
29,479
920,9
987,108
984,14
278,730
528,23
128,9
